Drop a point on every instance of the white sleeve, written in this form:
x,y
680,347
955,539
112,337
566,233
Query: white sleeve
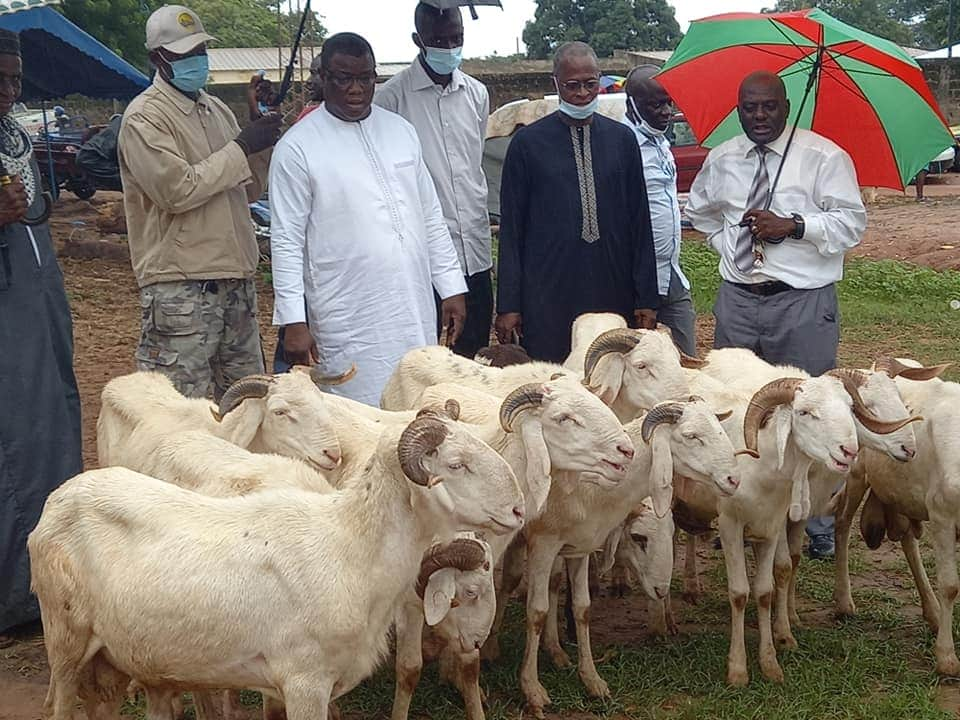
x,y
290,205
445,271
702,209
843,219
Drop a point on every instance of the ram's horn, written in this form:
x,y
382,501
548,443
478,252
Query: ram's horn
x,y
321,380
852,381
451,409
251,386
620,340
424,435
690,362
524,397
462,554
893,367
667,412
763,403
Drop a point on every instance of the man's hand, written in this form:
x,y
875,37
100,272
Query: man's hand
x,y
645,318
260,134
453,313
506,325
13,201
764,225
299,347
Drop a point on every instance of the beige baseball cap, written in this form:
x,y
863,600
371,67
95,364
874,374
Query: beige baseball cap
x,y
175,28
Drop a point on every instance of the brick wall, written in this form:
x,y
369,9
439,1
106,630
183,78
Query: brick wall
x,y
943,76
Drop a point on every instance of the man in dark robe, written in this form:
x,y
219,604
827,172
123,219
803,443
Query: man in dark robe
x,y
39,401
575,232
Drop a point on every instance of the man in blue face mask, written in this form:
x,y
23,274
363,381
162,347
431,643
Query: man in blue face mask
x,y
649,111
449,110
188,172
575,231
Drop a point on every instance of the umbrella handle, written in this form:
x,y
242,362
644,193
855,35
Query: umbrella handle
x,y
811,81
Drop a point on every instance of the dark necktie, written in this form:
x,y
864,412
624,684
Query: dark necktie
x,y
756,199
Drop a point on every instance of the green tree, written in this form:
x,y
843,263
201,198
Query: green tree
x,y
119,24
607,25
903,21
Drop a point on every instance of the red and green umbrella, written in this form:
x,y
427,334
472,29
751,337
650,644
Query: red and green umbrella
x,y
865,93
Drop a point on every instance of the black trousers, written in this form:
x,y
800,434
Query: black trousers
x,y
476,330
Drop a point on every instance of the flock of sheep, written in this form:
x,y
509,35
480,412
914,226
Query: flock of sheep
x,y
272,542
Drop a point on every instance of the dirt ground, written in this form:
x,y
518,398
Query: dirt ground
x,y
103,296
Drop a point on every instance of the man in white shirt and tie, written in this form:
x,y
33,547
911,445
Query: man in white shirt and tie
x,y
449,111
649,110
780,256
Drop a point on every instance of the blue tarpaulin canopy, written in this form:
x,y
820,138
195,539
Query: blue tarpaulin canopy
x,y
60,59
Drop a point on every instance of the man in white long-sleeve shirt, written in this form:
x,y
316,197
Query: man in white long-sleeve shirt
x,y
357,233
449,110
779,269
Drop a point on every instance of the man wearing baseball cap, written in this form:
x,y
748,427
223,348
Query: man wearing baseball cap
x,y
188,172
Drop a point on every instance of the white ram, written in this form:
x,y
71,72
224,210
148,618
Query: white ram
x,y
290,592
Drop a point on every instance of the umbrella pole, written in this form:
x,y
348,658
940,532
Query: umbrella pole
x,y
811,81
54,190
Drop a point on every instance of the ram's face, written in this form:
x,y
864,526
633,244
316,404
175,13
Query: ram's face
x,y
822,423
482,489
882,399
581,433
647,549
702,450
297,423
652,372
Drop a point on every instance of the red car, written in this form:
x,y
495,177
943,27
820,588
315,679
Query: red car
x,y
687,152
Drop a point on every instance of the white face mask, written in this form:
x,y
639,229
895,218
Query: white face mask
x,y
645,127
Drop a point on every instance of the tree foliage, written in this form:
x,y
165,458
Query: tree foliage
x,y
919,23
607,25
119,24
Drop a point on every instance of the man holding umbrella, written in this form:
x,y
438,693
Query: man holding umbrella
x,y
781,252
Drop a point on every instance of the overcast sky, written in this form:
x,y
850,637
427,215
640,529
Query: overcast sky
x,y
387,24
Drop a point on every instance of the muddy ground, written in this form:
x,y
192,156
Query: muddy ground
x,y
103,296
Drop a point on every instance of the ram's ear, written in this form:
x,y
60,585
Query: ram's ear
x,y
439,595
538,463
607,377
609,554
240,425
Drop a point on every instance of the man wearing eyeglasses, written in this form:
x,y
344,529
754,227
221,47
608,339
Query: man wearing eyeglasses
x,y
575,231
649,111
449,110
357,233
188,172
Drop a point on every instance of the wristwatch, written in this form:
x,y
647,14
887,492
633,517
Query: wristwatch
x,y
800,226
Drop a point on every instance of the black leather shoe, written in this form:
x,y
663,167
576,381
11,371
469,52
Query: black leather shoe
x,y
820,548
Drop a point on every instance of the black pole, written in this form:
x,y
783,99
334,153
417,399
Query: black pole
x,y
811,81
294,56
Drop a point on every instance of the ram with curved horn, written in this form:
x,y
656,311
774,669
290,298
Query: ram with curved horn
x,y
523,398
683,437
894,368
853,381
338,578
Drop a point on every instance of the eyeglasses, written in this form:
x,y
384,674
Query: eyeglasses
x,y
344,82
573,86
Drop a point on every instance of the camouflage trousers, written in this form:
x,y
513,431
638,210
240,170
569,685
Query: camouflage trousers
x,y
202,334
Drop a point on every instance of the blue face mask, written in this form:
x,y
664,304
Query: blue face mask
x,y
190,73
443,61
579,112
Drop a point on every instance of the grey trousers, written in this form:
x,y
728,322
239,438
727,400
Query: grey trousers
x,y
794,327
677,313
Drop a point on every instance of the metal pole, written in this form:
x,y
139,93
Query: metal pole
x,y
54,190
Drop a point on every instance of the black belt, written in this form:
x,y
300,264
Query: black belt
x,y
771,287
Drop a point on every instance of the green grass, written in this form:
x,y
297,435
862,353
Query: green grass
x,y
885,306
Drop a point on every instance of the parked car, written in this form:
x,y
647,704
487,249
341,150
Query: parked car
x,y
507,119
944,162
